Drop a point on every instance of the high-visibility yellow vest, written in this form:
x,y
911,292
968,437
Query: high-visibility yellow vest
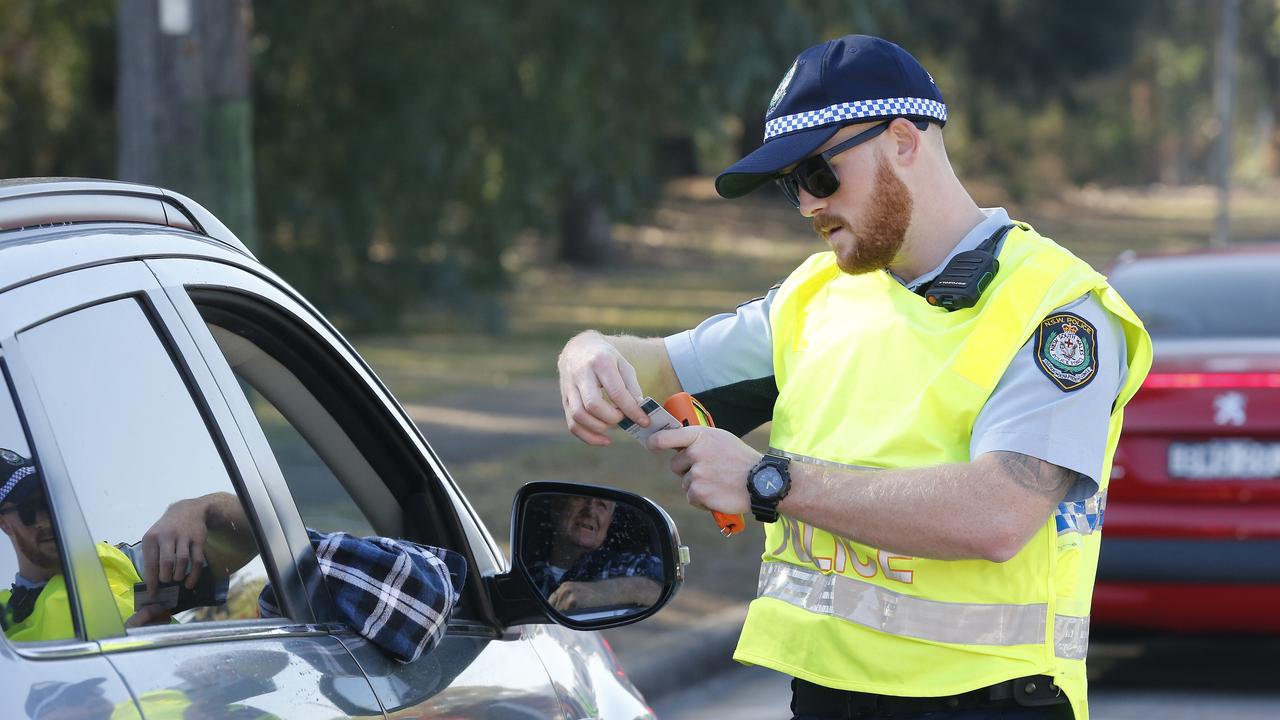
x,y
51,617
871,376
171,704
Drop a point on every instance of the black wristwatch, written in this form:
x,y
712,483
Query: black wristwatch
x,y
768,482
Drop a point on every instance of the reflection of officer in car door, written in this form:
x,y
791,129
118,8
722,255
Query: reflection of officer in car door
x,y
37,608
199,543
62,700
581,572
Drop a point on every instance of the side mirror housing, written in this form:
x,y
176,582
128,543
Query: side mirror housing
x,y
587,557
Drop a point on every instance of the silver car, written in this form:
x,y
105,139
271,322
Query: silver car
x,y
150,362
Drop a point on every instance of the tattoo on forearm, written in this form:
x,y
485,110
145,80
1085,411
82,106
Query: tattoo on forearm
x,y
1036,475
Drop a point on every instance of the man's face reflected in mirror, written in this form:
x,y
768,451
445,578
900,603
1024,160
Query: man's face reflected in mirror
x,y
587,555
30,529
583,524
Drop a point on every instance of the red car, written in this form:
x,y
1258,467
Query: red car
x,y
1192,516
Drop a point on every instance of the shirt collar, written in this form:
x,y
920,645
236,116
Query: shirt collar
x,y
996,218
20,581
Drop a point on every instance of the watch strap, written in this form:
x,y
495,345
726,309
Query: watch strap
x,y
765,509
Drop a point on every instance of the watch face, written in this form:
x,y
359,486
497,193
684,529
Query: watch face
x,y
767,481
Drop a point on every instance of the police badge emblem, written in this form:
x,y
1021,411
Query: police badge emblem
x,y
1066,350
781,92
12,457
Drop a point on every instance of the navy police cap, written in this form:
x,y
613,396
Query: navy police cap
x,y
854,79
18,476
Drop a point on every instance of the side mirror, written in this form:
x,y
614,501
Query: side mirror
x,y
589,557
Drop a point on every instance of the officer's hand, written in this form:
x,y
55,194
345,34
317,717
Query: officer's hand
x,y
713,463
149,615
175,543
597,386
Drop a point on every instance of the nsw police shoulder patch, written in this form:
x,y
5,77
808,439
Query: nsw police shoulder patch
x,y
1066,350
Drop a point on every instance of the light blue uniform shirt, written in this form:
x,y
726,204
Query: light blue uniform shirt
x,y
1027,413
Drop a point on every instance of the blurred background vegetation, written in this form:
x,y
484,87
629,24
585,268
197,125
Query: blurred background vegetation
x,y
410,158
462,186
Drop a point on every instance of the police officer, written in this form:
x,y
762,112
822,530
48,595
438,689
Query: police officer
x,y
946,388
36,607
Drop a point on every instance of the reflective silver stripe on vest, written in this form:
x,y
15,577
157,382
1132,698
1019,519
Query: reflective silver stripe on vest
x,y
897,614
1071,636
817,461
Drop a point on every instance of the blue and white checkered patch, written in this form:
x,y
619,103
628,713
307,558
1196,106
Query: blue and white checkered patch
x,y
14,479
846,112
1082,516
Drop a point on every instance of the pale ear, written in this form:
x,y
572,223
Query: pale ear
x,y
907,140
4,525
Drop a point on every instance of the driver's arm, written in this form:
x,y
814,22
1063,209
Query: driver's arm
x,y
577,594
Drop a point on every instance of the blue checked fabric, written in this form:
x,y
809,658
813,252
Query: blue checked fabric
x,y
850,111
598,564
17,477
1082,516
397,594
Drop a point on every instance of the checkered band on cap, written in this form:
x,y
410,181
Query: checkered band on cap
x,y
14,479
845,112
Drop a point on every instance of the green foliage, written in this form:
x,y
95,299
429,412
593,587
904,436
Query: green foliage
x,y
57,87
398,158
403,148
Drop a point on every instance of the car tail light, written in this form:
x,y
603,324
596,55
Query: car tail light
x,y
1193,436
1213,380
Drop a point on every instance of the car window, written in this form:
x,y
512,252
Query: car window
x,y
309,443
1216,296
33,602
342,449
322,500
152,485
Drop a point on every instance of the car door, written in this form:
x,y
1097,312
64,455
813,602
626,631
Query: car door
x,y
336,450
128,424
43,672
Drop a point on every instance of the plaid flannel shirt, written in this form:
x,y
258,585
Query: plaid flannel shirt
x,y
397,594
599,564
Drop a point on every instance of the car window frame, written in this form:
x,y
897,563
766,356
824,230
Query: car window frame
x,y
98,624
183,277
64,510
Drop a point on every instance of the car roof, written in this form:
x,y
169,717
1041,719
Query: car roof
x,y
1265,249
54,225
32,203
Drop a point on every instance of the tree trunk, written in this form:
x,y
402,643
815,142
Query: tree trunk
x,y
183,103
752,129
586,236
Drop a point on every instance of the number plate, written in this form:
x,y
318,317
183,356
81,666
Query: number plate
x,y
1225,459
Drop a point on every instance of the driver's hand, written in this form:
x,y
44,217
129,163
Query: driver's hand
x,y
572,595
597,387
174,544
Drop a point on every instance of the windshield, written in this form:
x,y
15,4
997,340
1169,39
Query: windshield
x,y
1204,296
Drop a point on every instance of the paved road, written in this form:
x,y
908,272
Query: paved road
x,y
1139,679
480,424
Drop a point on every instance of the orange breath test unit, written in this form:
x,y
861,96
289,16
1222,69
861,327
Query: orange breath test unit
x,y
688,411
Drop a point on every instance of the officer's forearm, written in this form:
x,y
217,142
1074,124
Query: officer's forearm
x,y
653,367
985,509
230,543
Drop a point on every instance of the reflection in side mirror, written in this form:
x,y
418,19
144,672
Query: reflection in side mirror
x,y
596,557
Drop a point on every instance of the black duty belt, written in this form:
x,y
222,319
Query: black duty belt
x,y
1033,691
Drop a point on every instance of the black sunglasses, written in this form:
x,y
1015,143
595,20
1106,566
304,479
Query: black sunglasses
x,y
27,509
815,173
